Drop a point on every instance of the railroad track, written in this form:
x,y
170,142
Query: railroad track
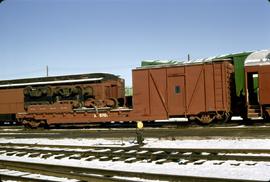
x,y
133,153
128,154
15,175
93,174
202,132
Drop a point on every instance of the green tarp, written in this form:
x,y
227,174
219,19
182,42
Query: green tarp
x,y
239,71
239,75
158,62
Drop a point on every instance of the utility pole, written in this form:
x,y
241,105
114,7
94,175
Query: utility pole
x,y
47,70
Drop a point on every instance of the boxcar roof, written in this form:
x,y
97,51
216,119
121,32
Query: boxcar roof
x,y
171,63
80,78
162,63
258,58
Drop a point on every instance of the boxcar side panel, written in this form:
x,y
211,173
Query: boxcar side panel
x,y
219,86
222,78
195,95
264,85
210,90
11,101
158,92
207,87
149,93
228,70
141,100
176,91
264,81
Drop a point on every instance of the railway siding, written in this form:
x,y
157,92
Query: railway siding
x,y
23,153
88,174
133,153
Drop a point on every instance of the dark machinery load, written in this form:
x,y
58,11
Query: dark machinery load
x,y
88,90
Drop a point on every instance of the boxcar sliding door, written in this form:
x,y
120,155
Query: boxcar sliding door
x,y
176,95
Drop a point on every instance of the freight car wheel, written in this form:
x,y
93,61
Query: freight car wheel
x,y
266,115
227,117
223,117
111,102
205,118
33,124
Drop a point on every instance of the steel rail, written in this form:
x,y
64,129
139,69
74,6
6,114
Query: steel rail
x,y
81,173
152,154
6,177
183,131
210,150
51,170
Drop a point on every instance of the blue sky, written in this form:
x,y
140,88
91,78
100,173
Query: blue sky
x,y
81,36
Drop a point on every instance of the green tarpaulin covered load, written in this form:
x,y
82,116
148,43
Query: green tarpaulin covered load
x,y
158,62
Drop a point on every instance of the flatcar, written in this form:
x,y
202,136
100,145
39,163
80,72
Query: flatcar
x,y
204,90
58,94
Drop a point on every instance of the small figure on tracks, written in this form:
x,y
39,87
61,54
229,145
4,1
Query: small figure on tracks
x,y
139,132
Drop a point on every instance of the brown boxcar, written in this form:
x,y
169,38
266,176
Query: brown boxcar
x,y
257,74
200,91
